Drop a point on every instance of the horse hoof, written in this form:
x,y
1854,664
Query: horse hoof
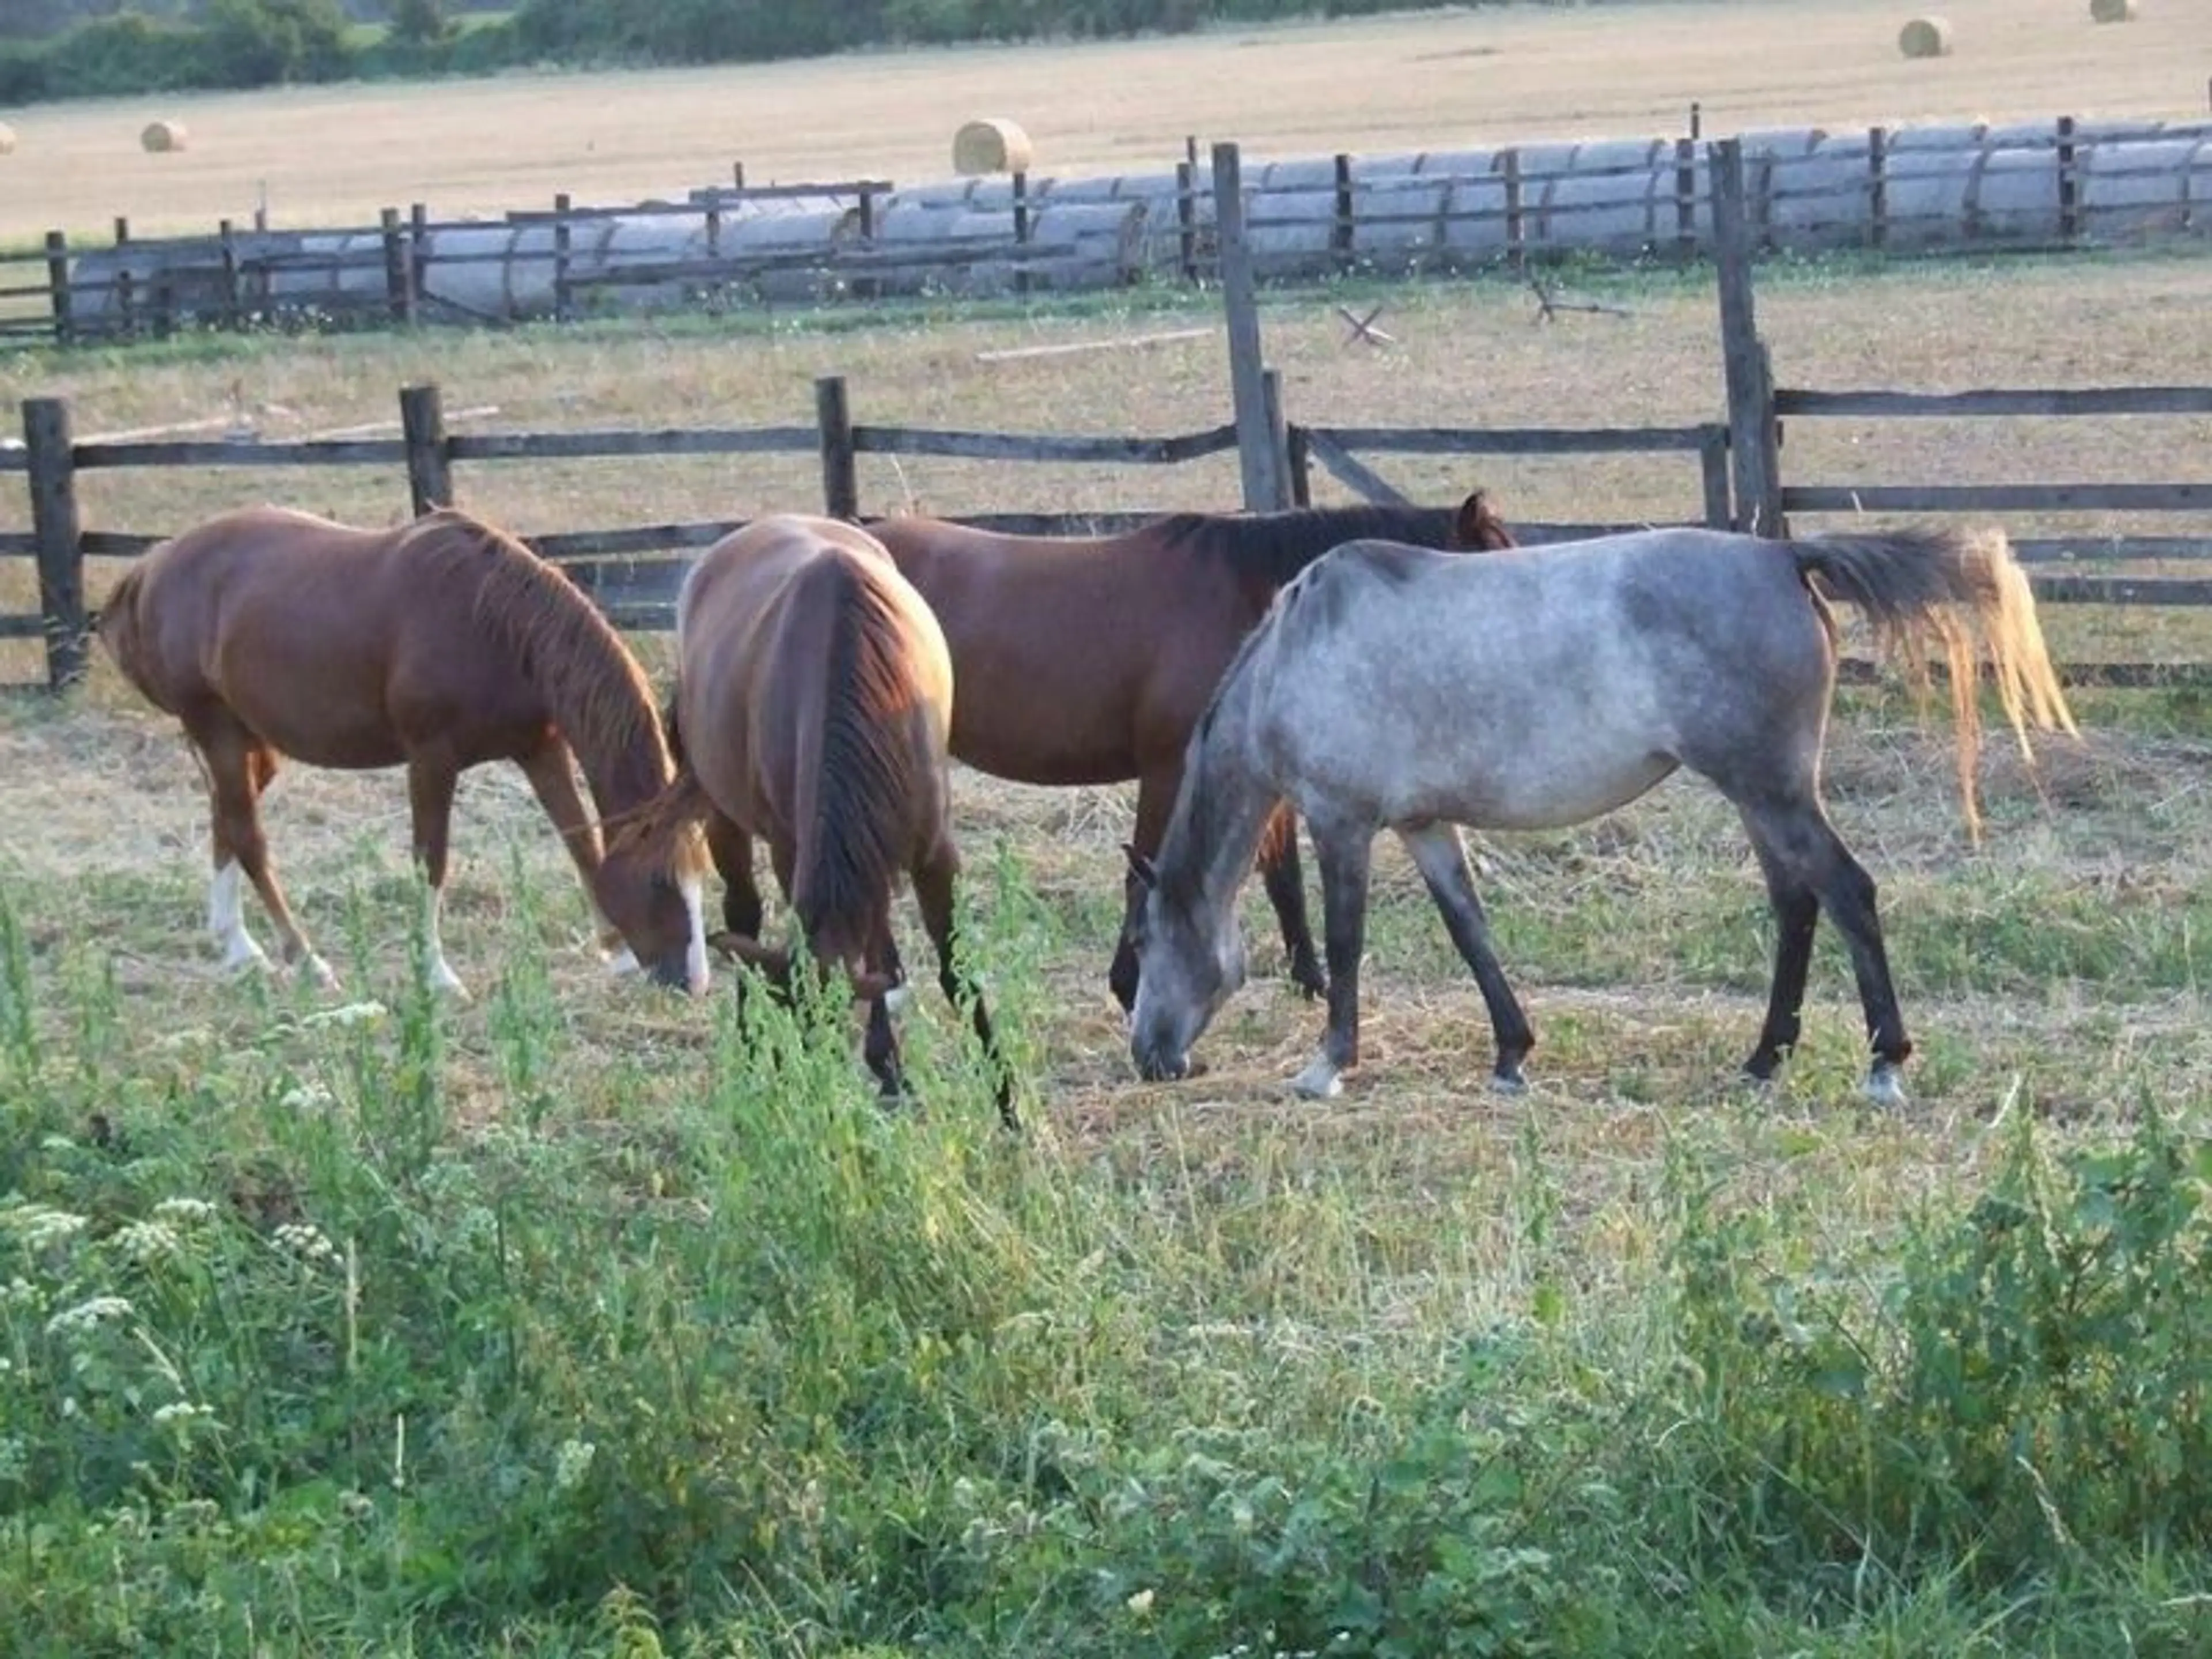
x,y
318,973
1509,1082
1885,1087
1319,1081
622,963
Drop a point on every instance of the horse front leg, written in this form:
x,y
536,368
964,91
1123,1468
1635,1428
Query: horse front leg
x,y
934,881
552,775
1441,856
731,849
1345,852
1281,874
431,778
1155,793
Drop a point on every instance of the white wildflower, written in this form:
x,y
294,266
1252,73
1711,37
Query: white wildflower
x,y
307,1242
20,1293
148,1240
69,1404
88,1315
182,1413
1141,1603
352,1013
39,1226
183,1210
572,1463
308,1097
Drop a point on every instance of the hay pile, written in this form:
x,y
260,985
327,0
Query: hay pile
x,y
161,137
991,145
7,139
1925,37
2112,11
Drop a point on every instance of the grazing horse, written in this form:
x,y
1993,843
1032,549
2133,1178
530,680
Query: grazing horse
x,y
813,694
442,644
1390,688
1088,659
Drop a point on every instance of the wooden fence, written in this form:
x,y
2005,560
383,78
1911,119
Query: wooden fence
x,y
628,570
1505,208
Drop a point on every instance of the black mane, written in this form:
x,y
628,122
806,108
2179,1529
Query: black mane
x,y
1272,546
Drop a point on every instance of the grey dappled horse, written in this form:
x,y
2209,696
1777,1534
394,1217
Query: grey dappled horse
x,y
1390,687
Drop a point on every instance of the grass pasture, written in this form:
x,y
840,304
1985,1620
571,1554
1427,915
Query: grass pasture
x,y
570,1320
335,155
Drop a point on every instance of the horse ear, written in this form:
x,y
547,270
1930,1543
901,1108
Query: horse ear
x,y
1141,866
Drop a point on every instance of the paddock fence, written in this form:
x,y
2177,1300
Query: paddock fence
x,y
2060,183
632,572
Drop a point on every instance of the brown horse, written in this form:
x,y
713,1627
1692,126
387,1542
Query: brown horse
x,y
442,644
1088,660
813,695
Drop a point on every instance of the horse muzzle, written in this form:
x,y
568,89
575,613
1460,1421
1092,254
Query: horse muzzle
x,y
1156,1067
672,972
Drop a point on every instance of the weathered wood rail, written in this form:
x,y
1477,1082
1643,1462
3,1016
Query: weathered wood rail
x,y
629,570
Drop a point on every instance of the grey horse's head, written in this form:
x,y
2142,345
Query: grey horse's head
x,y
1189,963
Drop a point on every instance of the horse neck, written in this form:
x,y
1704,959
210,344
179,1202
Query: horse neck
x,y
1273,547
591,686
860,764
1213,833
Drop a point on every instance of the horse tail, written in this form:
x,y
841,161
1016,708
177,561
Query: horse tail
x,y
1963,589
863,781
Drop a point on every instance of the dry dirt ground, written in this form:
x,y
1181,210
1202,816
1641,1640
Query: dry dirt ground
x,y
335,154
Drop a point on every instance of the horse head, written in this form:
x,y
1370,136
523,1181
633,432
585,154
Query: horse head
x,y
650,885
1188,965
1477,529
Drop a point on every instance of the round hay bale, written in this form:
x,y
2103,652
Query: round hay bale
x,y
160,137
1925,37
991,145
2112,11
7,139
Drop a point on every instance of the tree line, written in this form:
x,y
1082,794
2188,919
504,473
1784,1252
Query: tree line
x,y
79,48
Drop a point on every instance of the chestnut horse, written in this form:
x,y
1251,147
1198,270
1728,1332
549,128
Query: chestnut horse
x,y
442,644
1088,660
813,694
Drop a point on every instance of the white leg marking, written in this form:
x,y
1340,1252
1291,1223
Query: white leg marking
x,y
695,953
1319,1081
896,999
623,963
314,967
1886,1089
226,919
443,979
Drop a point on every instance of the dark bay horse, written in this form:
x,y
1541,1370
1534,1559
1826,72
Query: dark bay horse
x,y
813,694
442,645
1088,659
1392,688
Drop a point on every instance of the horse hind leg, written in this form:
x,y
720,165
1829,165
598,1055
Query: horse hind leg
x,y
431,781
239,768
1345,852
1441,857
1804,855
1284,881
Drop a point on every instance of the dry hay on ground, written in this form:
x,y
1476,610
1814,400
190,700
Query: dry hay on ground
x,y
991,145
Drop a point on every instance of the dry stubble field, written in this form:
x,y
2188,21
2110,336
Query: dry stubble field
x,y
335,155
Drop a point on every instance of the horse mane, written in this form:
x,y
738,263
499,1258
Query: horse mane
x,y
863,786
1271,548
599,696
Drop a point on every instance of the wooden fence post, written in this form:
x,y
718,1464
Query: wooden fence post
x,y
234,314
561,258
1301,454
1685,195
57,286
1713,475
1021,184
1279,435
50,452
1340,229
2069,187
398,302
841,477
1753,445
418,257
1877,187
430,465
1187,222
126,303
1516,246
1255,438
